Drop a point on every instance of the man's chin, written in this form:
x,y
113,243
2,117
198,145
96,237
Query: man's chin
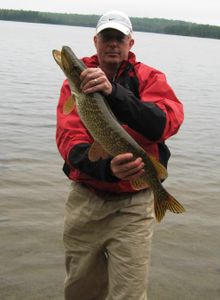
x,y
113,60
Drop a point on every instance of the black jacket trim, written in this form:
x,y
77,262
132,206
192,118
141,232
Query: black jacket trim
x,y
146,118
78,158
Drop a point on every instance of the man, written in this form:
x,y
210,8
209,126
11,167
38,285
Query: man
x,y
109,226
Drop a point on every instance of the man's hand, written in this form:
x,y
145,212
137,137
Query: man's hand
x,y
124,167
95,80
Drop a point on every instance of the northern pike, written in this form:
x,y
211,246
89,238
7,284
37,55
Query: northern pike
x,y
108,134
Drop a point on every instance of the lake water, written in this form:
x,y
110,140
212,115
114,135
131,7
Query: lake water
x,y
186,248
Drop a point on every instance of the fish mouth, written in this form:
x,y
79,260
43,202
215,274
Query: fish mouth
x,y
67,58
70,61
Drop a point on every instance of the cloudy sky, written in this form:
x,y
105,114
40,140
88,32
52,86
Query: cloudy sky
x,y
198,11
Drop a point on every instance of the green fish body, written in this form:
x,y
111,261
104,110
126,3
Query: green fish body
x,y
110,137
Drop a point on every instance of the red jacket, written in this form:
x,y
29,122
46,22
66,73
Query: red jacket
x,y
142,101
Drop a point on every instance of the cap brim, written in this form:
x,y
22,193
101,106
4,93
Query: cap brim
x,y
125,30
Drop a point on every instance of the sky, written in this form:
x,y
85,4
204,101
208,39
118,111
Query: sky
x,y
197,11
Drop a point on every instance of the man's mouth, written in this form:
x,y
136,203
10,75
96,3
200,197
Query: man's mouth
x,y
112,53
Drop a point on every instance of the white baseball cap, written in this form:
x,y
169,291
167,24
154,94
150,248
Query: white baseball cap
x,y
116,20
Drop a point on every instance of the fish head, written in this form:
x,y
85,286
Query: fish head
x,y
71,66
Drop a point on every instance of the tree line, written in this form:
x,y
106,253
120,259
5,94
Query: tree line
x,y
154,25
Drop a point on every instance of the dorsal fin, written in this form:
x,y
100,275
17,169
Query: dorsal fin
x,y
139,183
161,170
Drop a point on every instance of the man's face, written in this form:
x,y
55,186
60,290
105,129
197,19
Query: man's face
x,y
112,46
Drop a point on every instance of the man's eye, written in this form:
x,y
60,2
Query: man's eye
x,y
111,37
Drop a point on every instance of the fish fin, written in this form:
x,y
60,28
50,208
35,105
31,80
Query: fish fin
x,y
161,170
57,57
69,105
169,203
139,183
159,209
96,152
174,206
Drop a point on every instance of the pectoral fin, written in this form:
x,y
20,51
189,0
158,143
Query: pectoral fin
x,y
69,105
96,152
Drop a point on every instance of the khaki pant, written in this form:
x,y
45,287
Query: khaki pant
x,y
107,240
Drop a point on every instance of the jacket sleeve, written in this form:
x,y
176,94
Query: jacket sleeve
x,y
70,130
100,169
73,142
157,114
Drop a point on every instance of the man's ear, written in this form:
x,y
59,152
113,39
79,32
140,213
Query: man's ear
x,y
131,43
95,40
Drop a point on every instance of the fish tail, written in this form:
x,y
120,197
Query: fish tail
x,y
169,203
